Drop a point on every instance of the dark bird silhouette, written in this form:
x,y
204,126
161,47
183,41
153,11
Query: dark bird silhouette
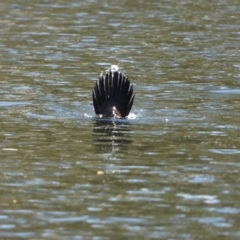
x,y
113,95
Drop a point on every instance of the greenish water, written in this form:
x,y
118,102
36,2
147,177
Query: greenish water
x,y
171,171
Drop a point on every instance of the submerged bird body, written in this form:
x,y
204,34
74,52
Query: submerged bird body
x,y
113,95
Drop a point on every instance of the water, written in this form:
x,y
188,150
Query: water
x,y
170,171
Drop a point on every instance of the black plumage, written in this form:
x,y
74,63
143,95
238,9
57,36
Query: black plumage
x,y
113,95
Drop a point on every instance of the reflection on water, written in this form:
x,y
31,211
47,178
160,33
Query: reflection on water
x,y
109,135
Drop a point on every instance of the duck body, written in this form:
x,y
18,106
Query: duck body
x,y
113,94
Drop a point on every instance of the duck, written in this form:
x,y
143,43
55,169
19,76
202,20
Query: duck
x,y
113,94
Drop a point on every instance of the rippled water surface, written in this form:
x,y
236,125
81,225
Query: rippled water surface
x,y
170,171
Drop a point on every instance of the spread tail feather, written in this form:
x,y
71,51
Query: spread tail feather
x,y
113,95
